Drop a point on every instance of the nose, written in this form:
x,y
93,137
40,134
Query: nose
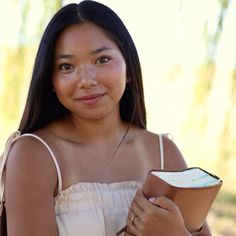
x,y
86,77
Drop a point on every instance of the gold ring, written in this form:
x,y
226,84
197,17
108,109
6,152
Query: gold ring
x,y
132,218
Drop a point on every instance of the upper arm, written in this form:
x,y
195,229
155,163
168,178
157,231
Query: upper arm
x,y
29,193
172,155
175,160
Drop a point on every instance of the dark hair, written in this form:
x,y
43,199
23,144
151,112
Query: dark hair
x,y
42,106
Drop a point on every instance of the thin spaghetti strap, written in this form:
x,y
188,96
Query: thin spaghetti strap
x,y
161,151
3,159
53,158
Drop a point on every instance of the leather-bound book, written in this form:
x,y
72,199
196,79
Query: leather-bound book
x,y
193,190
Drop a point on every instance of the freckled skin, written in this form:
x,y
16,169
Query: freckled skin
x,y
89,79
88,64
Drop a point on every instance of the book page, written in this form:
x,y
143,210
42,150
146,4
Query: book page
x,y
194,178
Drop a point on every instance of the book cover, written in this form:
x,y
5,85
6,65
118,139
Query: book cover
x,y
193,190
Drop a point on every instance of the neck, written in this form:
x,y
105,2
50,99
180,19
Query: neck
x,y
85,130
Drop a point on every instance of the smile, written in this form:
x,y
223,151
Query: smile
x,y
90,99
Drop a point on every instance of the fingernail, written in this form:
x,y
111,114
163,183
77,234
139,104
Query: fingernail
x,y
152,199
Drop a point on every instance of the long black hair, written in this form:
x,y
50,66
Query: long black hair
x,y
42,105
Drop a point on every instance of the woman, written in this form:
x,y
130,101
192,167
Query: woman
x,y
78,164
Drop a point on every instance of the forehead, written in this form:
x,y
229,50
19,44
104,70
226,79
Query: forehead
x,y
84,34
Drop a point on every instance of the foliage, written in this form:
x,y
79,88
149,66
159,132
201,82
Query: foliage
x,y
16,74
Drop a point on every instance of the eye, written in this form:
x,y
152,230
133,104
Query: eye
x,y
103,60
66,67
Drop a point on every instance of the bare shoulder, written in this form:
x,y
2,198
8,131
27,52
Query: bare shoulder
x,y
173,158
29,158
29,189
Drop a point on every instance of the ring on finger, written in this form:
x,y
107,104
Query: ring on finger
x,y
132,218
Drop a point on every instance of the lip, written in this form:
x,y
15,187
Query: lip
x,y
90,99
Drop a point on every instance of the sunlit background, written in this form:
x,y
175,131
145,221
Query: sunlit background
x,y
187,50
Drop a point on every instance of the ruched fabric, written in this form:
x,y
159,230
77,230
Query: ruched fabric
x,y
85,209
91,209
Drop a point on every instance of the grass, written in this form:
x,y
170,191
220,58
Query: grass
x,y
222,217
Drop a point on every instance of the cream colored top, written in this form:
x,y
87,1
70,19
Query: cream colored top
x,y
91,209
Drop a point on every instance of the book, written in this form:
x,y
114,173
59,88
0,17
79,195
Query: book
x,y
192,189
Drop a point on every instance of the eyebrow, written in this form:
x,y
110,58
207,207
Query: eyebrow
x,y
62,56
101,49
94,52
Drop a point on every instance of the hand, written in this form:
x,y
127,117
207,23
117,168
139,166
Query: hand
x,y
156,216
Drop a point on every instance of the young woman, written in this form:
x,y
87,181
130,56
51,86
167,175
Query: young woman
x,y
82,153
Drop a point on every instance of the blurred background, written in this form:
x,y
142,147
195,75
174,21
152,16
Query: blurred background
x,y
187,50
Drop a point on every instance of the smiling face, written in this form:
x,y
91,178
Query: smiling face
x,y
89,72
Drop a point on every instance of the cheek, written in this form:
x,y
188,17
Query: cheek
x,y
117,74
121,76
62,84
62,91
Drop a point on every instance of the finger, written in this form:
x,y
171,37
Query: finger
x,y
140,200
133,211
138,211
130,212
143,207
132,227
127,234
164,203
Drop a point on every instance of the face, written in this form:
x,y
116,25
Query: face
x,y
89,72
